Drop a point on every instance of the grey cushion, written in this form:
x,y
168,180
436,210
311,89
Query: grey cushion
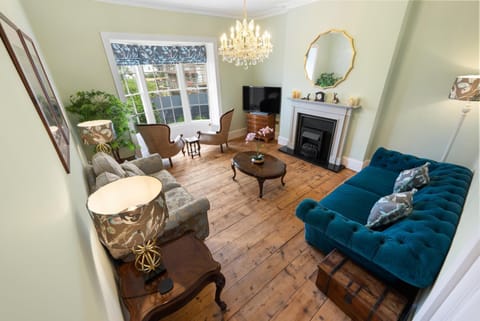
x,y
390,208
412,178
168,181
105,178
132,169
102,162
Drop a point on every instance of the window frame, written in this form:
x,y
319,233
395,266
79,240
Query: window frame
x,y
189,127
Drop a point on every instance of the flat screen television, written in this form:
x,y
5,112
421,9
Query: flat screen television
x,y
265,100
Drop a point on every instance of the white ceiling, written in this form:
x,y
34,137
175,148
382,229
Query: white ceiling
x,y
221,8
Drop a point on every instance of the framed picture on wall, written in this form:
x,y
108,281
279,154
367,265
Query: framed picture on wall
x,y
25,57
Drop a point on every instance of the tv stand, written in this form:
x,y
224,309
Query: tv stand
x,y
256,121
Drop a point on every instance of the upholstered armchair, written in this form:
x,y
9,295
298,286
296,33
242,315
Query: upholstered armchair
x,y
219,137
157,139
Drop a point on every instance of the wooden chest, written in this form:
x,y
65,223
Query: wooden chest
x,y
359,294
258,121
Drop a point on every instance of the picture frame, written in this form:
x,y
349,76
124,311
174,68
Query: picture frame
x,y
28,64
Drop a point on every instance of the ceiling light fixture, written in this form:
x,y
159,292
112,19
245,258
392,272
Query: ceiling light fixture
x,y
245,47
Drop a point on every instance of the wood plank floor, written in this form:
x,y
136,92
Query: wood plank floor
x,y
270,270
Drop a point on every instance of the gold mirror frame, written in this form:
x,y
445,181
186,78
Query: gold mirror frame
x,y
344,76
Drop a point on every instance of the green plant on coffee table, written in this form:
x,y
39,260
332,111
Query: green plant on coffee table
x,y
326,79
95,104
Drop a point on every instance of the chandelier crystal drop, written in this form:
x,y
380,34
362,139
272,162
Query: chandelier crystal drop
x,y
245,47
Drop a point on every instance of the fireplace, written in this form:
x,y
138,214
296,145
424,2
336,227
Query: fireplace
x,y
314,138
317,132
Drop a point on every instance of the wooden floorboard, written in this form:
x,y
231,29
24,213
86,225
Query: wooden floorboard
x,y
269,268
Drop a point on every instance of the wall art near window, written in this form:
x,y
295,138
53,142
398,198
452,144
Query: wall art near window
x,y
30,68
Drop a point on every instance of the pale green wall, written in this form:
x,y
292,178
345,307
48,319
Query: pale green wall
x,y
47,271
375,42
441,42
70,39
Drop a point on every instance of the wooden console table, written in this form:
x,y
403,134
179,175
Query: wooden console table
x,y
190,265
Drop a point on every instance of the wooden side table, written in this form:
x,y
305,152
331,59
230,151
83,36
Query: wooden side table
x,y
193,146
190,265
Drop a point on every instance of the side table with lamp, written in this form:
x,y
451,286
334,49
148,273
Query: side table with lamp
x,y
129,215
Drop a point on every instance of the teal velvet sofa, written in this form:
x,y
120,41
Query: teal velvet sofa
x,y
411,250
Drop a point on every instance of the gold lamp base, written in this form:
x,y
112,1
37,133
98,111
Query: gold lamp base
x,y
149,261
104,147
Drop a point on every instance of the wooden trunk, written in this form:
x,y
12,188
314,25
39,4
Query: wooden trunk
x,y
359,294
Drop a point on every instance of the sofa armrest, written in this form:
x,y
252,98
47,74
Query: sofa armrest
x,y
149,164
184,213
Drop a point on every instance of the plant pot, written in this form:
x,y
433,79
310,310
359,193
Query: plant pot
x,y
257,159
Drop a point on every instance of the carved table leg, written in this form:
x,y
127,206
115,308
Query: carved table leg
x,y
234,172
220,283
260,185
283,183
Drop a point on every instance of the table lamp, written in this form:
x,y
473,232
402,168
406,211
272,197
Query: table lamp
x,y
465,88
129,215
97,132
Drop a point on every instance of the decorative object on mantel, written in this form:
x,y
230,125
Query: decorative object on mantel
x,y
335,99
329,58
307,97
245,47
129,214
28,64
99,133
263,132
465,88
296,94
320,96
353,101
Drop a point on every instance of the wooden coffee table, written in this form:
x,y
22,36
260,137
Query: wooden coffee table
x,y
190,265
270,169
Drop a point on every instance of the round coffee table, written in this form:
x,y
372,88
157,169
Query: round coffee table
x,y
270,169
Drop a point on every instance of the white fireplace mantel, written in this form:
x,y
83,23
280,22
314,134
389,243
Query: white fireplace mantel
x,y
339,113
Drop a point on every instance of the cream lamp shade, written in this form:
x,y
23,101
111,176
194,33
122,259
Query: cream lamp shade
x,y
128,212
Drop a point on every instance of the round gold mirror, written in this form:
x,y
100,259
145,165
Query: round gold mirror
x,y
329,59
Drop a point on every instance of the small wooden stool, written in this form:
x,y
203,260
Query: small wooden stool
x,y
193,146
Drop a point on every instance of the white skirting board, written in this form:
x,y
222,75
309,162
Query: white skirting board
x,y
353,164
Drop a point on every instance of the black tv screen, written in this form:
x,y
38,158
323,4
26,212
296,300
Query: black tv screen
x,y
262,99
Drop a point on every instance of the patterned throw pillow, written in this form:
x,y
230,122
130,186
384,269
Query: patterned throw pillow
x,y
412,178
132,169
390,208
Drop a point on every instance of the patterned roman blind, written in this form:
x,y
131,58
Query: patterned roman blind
x,y
128,55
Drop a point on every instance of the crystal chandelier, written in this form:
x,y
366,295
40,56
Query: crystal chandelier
x,y
245,46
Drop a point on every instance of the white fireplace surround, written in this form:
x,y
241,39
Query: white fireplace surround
x,y
340,113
